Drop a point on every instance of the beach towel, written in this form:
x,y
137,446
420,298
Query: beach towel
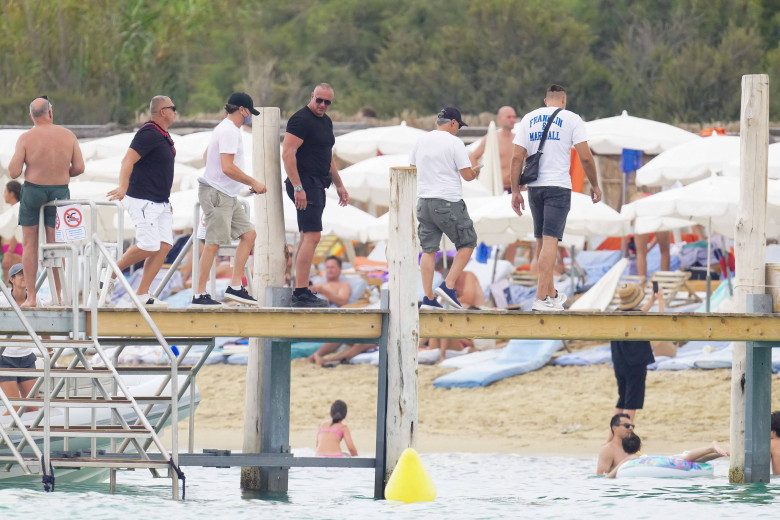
x,y
594,356
518,357
689,354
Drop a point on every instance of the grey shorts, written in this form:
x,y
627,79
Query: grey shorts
x,y
437,216
225,217
27,361
550,206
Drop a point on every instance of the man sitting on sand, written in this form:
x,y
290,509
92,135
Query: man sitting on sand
x,y
632,444
337,292
333,289
613,453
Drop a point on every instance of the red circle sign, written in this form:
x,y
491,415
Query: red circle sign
x,y
73,217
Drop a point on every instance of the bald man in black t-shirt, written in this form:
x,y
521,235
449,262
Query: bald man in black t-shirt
x,y
308,160
145,181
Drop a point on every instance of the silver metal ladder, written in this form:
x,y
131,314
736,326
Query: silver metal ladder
x,y
115,414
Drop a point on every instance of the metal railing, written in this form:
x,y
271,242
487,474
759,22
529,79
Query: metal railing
x,y
43,456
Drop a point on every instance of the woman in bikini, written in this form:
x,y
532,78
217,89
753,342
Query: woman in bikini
x,y
12,250
332,432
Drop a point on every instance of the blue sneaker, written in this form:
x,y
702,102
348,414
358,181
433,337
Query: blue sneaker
x,y
430,304
448,295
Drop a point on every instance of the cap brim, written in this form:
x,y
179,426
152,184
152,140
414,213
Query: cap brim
x,y
461,123
254,112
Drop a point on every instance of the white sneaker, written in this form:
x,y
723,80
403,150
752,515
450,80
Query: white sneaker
x,y
548,304
150,301
106,290
560,298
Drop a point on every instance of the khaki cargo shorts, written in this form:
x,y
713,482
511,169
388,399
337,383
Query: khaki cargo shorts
x,y
225,217
437,216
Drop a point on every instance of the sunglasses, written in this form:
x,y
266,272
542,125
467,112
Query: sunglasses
x,y
319,101
172,107
628,425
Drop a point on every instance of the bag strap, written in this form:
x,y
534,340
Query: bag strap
x,y
547,129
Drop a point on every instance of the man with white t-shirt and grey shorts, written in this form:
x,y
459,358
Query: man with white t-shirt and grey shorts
x,y
550,194
218,190
441,160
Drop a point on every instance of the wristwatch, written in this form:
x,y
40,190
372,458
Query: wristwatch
x,y
299,187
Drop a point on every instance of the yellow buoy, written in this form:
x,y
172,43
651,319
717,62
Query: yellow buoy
x,y
409,481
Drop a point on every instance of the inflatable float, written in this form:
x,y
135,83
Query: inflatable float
x,y
665,467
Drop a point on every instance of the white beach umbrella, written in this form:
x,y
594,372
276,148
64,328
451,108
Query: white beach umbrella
x,y
690,162
382,140
715,198
8,140
9,223
490,176
107,170
105,147
610,135
643,225
496,222
733,166
190,148
348,223
369,180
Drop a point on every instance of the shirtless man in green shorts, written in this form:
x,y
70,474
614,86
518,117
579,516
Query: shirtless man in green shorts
x,y
52,156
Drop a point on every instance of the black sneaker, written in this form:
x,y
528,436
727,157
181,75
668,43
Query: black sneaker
x,y
240,296
205,301
308,299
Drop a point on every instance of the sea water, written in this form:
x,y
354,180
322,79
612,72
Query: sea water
x,y
474,486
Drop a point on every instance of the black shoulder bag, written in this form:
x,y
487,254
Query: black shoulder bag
x,y
531,168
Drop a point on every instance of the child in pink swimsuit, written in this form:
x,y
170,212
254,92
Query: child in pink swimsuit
x,y
332,432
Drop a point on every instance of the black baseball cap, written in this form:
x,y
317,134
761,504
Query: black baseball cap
x,y
242,99
452,113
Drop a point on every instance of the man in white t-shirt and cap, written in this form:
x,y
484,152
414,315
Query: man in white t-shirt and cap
x,y
441,160
550,194
218,190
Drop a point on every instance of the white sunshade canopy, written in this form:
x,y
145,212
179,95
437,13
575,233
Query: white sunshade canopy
x,y
690,162
715,197
347,223
496,222
382,140
610,135
369,180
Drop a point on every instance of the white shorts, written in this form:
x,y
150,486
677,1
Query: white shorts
x,y
153,222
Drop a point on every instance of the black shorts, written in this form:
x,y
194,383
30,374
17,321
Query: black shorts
x,y
27,361
550,206
310,219
631,386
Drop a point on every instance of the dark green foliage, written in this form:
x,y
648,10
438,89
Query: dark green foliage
x,y
102,60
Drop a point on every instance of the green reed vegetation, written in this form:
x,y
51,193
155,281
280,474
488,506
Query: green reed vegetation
x,y
102,60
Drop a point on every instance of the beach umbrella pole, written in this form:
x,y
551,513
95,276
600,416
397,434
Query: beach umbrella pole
x,y
709,262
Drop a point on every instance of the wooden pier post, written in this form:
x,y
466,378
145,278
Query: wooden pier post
x,y
404,322
269,266
750,243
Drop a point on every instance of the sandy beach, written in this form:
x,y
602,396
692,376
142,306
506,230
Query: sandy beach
x,y
555,410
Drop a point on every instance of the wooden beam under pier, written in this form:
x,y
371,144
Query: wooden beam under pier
x,y
358,323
